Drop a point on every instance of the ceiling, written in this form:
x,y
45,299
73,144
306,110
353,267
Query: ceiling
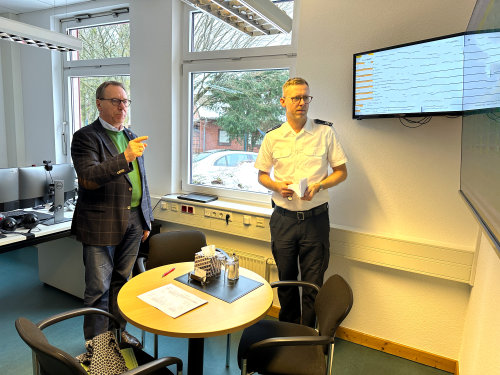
x,y
25,6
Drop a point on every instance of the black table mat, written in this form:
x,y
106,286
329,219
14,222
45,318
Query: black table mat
x,y
228,291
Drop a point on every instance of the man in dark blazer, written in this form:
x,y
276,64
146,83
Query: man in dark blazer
x,y
113,213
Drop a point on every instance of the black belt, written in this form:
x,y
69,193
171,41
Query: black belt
x,y
302,215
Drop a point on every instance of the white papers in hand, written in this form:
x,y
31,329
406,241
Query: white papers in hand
x,y
299,188
172,300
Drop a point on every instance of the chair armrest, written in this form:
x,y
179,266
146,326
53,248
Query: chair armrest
x,y
288,341
294,283
141,264
74,313
155,365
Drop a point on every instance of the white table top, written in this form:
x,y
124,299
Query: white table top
x,y
39,231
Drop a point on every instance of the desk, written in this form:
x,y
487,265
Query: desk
x,y
59,255
212,319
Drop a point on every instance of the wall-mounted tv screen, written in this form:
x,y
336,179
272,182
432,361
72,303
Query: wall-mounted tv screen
x,y
440,76
481,70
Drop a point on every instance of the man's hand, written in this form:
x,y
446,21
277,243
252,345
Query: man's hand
x,y
135,148
145,235
282,188
310,192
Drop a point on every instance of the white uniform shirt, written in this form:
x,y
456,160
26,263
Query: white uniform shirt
x,y
294,156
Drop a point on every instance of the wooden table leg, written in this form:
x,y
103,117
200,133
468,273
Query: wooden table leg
x,y
195,356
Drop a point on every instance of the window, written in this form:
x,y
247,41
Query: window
x,y
102,41
233,84
233,110
224,37
83,105
105,56
223,137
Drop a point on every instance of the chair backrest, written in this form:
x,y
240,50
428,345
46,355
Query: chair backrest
x,y
174,247
52,360
333,303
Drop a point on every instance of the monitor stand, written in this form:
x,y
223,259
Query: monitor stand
x,y
58,204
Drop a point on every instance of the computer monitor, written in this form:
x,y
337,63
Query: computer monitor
x,y
66,173
9,189
33,186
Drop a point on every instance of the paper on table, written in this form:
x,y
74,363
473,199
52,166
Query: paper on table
x,y
299,188
172,300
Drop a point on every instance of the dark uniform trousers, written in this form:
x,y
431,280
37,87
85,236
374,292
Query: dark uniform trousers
x,y
300,241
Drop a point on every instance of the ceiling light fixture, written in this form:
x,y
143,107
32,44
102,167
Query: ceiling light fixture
x,y
24,33
253,17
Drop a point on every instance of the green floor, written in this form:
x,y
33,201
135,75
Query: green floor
x,y
22,294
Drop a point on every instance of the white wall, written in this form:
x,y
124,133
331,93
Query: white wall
x,y
155,85
402,182
12,105
3,130
481,338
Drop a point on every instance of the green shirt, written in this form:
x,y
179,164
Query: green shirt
x,y
121,142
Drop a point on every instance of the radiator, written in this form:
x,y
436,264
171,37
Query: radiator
x,y
261,265
252,262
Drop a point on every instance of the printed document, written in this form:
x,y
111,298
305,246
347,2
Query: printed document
x,y
172,300
299,188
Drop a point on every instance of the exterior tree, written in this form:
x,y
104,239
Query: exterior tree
x,y
211,34
247,103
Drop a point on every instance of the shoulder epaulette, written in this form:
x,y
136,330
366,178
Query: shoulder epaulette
x,y
323,122
276,127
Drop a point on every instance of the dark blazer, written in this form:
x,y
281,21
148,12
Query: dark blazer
x,y
104,188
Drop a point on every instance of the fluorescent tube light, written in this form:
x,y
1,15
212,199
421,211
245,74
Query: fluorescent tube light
x,y
24,33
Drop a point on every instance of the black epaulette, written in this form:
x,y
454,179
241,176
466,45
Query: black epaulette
x,y
322,122
270,130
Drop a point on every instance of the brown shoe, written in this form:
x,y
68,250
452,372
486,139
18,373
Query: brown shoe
x,y
127,338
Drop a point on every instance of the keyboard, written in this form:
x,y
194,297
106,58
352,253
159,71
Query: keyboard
x,y
18,213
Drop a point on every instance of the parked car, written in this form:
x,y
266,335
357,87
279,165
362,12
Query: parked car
x,y
215,159
226,168
204,154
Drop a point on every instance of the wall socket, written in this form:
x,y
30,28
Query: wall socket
x,y
187,209
218,214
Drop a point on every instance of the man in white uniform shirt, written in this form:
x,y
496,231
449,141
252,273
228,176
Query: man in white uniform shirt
x,y
300,226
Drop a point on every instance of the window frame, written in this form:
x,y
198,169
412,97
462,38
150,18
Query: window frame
x,y
256,58
189,55
88,68
219,142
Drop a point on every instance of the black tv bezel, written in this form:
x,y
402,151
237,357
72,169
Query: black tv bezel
x,y
399,115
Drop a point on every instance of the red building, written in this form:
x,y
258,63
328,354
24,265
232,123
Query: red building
x,y
207,135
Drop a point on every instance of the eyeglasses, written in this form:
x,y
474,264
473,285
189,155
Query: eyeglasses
x,y
116,102
296,99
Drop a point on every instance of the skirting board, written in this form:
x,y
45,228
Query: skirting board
x,y
402,351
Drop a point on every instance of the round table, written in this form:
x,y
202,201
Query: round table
x,y
214,318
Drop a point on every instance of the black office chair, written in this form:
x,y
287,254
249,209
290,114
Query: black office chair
x,y
172,247
50,360
274,347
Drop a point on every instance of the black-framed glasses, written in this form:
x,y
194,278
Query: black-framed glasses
x,y
296,99
116,102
